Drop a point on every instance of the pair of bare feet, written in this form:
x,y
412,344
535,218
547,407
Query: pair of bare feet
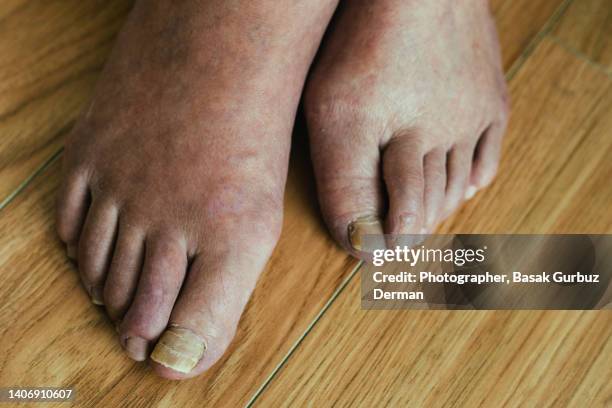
x,y
174,176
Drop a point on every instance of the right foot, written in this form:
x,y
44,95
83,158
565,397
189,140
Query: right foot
x,y
174,177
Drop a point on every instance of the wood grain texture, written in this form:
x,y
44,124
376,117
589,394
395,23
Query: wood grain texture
x,y
51,53
519,21
554,178
587,28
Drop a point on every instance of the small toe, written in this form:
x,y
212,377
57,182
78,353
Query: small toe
x,y
72,206
404,179
96,246
162,275
458,168
486,157
434,170
124,271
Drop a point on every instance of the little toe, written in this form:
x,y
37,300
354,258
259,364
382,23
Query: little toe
x,y
72,206
434,170
404,178
161,278
96,246
486,157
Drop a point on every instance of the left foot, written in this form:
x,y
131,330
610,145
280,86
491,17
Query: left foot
x,y
406,109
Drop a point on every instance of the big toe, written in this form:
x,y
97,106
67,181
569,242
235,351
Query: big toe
x,y
346,160
206,314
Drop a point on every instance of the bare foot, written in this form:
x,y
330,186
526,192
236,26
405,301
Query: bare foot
x,y
406,109
174,176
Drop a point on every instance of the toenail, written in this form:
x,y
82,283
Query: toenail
x,y
470,192
71,251
136,348
362,226
179,349
97,297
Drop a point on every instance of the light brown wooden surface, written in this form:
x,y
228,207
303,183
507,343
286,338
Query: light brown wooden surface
x,y
587,28
520,21
52,336
554,178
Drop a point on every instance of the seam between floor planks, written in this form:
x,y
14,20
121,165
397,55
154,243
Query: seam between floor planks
x,y
301,338
25,183
537,39
545,32
580,55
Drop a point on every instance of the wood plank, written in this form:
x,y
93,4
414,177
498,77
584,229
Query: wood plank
x,y
587,28
519,21
51,52
554,178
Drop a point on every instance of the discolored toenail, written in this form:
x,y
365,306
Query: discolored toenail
x,y
358,229
97,295
136,348
179,349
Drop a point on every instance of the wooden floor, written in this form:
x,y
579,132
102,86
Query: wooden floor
x,y
304,339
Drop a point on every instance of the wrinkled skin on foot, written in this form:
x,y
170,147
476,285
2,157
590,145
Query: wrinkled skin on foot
x,y
406,108
174,176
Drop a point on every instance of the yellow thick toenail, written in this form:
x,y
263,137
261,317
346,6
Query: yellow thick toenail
x,y
179,349
368,225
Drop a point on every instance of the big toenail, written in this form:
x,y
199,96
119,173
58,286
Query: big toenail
x,y
136,348
368,225
470,192
71,251
179,349
97,297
